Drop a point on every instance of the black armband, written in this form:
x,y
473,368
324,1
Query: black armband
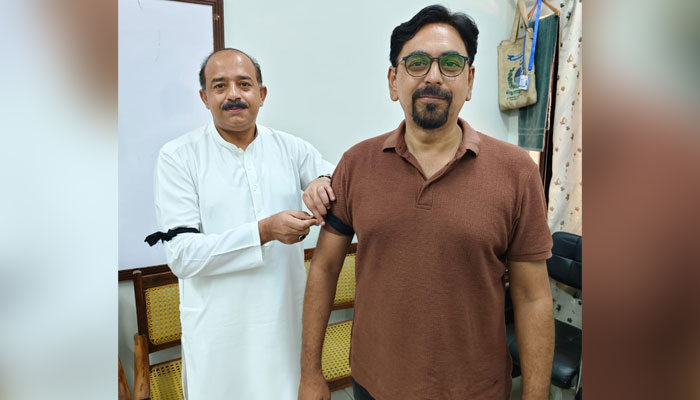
x,y
153,238
339,225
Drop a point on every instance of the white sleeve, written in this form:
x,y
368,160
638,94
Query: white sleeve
x,y
197,254
311,163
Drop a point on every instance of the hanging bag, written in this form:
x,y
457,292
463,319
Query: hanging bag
x,y
516,71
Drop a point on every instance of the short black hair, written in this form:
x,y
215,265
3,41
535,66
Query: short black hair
x,y
435,14
203,79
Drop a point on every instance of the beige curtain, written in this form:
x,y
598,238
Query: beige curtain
x,y
565,191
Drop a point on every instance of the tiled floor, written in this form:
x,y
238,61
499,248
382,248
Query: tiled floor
x,y
516,393
343,394
555,393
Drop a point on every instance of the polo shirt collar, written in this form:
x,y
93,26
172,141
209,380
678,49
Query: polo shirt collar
x,y
470,139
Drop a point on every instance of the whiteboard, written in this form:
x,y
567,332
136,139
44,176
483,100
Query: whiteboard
x,y
161,46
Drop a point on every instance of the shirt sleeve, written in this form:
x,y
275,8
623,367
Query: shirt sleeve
x,y
339,219
198,254
311,163
531,239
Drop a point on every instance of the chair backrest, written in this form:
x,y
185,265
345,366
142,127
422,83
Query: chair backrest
x,y
158,309
345,290
565,264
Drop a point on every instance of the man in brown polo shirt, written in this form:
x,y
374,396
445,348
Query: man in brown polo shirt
x,y
440,211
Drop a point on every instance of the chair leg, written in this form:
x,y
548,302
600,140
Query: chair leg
x,y
124,393
578,378
142,375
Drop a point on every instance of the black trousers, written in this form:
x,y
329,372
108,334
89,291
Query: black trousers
x,y
360,393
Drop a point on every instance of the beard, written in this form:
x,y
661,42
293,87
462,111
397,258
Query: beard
x,y
430,116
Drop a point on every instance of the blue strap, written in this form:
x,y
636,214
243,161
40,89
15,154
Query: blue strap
x,y
534,39
534,35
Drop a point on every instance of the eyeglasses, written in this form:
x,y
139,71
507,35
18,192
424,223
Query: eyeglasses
x,y
450,64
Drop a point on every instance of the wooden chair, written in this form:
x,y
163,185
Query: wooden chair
x,y
124,393
158,317
335,357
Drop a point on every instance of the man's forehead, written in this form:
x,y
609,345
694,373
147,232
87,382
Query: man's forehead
x,y
221,77
227,60
435,38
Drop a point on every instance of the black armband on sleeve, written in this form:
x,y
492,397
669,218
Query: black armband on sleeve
x,y
153,238
339,225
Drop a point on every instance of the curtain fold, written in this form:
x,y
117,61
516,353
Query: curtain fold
x,y
566,188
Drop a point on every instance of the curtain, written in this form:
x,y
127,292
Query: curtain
x,y
566,186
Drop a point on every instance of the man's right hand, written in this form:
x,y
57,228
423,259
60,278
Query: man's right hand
x,y
288,227
314,388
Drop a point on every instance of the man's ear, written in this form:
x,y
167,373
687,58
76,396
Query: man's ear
x,y
470,82
263,94
393,90
203,96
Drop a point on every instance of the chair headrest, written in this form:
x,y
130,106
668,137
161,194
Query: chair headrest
x,y
565,264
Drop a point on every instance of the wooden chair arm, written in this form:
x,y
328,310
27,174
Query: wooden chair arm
x,y
142,384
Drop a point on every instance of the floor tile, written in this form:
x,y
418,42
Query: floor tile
x,y
340,395
555,393
349,392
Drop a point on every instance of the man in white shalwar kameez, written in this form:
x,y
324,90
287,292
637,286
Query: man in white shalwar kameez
x,y
232,191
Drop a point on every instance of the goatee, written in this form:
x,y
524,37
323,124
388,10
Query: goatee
x,y
431,117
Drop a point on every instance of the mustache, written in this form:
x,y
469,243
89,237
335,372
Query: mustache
x,y
432,91
234,104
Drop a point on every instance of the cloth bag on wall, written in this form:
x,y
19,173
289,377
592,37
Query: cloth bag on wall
x,y
512,63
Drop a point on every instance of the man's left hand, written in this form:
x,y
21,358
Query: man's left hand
x,y
318,196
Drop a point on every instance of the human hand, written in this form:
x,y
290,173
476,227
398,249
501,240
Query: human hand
x,y
314,388
318,196
288,227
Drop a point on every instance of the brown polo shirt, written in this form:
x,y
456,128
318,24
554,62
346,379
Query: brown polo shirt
x,y
431,257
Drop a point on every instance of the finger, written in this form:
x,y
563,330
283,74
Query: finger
x,y
317,215
331,193
302,215
304,226
297,226
308,199
325,202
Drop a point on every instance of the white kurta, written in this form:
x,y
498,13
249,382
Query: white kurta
x,y
240,302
